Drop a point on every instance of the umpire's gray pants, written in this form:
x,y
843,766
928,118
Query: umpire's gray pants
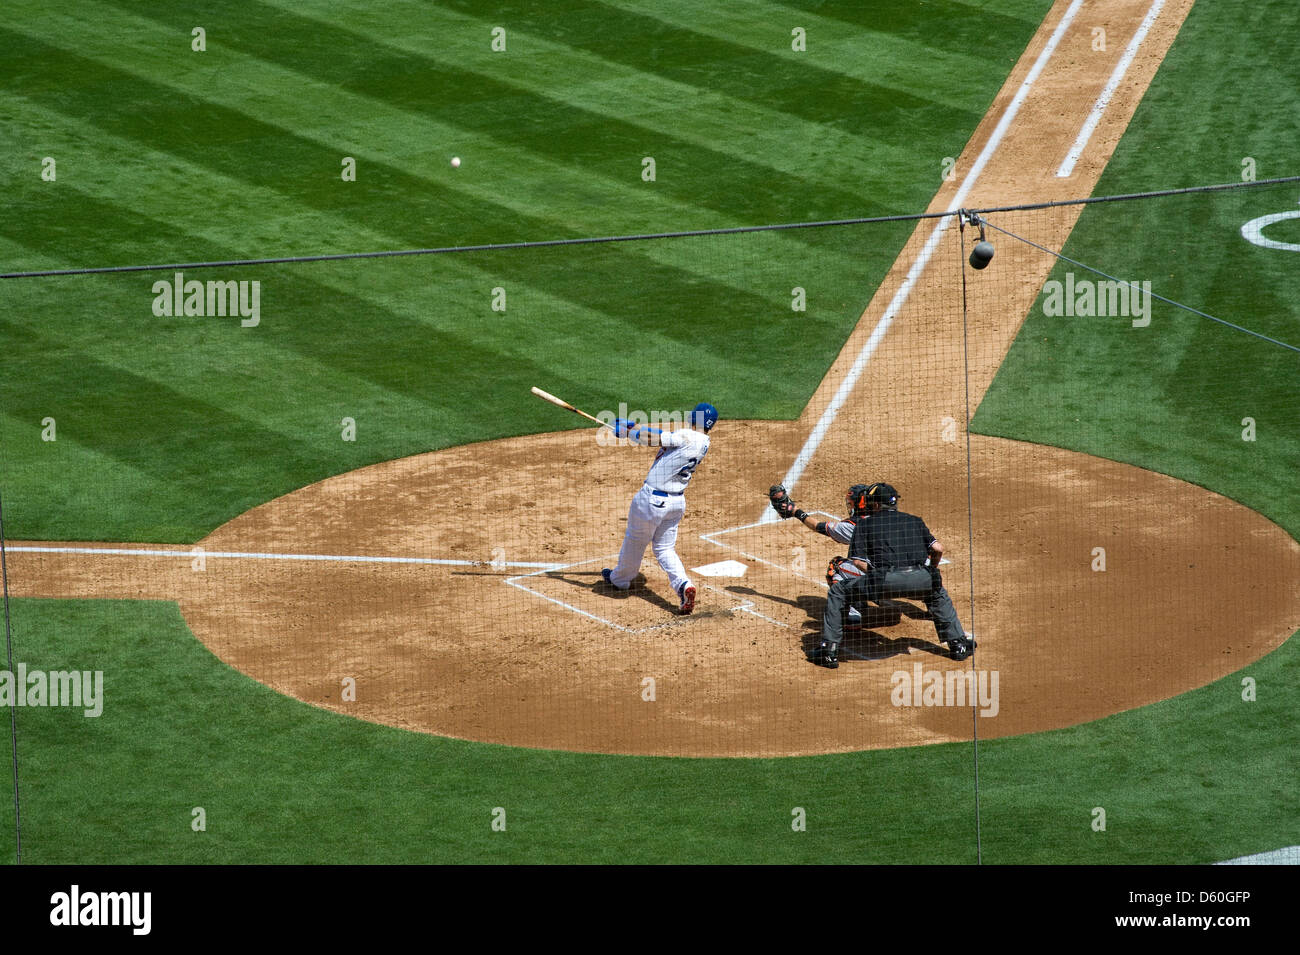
x,y
917,583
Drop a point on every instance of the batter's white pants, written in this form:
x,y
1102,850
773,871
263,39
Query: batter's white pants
x,y
651,520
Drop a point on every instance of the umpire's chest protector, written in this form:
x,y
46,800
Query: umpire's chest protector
x,y
891,539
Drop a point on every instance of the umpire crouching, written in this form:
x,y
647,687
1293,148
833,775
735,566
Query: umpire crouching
x,y
892,546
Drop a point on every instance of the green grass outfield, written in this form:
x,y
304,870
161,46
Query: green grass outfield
x,y
168,429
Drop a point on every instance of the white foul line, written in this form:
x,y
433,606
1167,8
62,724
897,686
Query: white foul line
x,y
1094,117
344,558
842,393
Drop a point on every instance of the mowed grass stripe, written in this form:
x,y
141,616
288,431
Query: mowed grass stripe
x,y
614,266
373,186
237,162
603,143
688,106
884,122
132,173
125,173
917,57
950,25
649,42
332,354
560,303
109,479
142,424
226,139
416,142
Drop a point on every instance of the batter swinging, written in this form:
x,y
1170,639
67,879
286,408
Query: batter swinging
x,y
658,507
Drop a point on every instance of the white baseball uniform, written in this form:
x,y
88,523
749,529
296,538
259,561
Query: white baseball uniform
x,y
657,509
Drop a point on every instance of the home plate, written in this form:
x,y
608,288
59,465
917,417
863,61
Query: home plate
x,y
723,568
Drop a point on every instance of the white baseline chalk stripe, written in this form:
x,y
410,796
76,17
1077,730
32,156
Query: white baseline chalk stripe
x,y
1094,117
846,387
343,558
514,582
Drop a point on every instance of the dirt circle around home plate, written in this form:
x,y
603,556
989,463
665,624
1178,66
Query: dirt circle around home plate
x,y
536,652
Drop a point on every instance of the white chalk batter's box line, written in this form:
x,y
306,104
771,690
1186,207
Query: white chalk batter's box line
x,y
745,606
754,557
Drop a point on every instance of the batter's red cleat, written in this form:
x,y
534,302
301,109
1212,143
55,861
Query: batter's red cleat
x,y
688,600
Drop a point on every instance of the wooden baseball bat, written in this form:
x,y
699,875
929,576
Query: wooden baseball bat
x,y
547,396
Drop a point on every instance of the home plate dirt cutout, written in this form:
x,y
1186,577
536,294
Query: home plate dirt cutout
x,y
363,577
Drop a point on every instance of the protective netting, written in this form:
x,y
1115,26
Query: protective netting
x,y
352,497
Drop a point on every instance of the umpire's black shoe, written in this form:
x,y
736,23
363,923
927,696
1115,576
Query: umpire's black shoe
x,y
826,655
961,647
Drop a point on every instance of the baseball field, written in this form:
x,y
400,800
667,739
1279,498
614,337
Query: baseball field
x,y
337,572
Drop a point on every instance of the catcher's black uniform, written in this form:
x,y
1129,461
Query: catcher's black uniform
x,y
896,544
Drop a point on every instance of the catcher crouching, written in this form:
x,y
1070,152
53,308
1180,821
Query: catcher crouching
x,y
839,567
891,554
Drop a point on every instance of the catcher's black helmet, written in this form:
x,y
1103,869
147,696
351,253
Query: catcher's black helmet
x,y
882,494
856,499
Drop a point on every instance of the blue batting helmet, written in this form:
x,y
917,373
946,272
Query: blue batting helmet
x,y
704,417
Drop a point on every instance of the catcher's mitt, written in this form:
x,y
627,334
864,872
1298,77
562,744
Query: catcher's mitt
x,y
841,568
781,502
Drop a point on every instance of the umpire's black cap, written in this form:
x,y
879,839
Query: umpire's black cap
x,y
882,494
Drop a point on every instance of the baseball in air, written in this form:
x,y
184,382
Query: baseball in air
x,y
455,162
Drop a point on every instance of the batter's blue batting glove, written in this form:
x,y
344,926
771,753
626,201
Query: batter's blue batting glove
x,y
621,427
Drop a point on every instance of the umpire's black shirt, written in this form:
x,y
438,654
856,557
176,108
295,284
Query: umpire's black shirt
x,y
891,540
